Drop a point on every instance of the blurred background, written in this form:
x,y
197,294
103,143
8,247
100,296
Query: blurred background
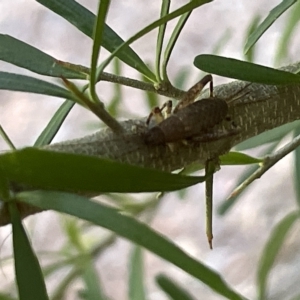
x,y
220,27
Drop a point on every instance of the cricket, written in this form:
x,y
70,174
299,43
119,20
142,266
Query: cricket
x,y
191,119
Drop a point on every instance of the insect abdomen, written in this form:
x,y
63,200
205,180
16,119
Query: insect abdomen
x,y
190,121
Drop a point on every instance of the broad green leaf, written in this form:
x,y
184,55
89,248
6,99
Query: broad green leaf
x,y
29,275
136,287
173,289
242,70
28,57
54,125
238,158
297,169
271,250
22,83
131,229
269,136
274,14
176,13
71,172
84,21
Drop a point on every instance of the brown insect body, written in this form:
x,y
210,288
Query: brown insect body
x,y
192,120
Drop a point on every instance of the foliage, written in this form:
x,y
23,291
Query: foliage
x,y
53,189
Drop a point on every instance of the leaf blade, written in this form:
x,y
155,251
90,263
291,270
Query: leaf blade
x,y
54,125
83,20
271,250
22,83
28,57
242,70
172,289
29,275
274,14
131,229
70,172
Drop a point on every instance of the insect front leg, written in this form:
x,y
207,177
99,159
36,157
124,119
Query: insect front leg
x,y
194,91
158,115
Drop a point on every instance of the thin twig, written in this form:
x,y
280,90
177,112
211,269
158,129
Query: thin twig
x,y
268,162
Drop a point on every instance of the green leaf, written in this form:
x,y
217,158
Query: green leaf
x,y
131,229
164,10
25,56
286,35
22,83
178,12
29,275
136,275
6,297
242,70
269,136
172,289
7,139
231,200
172,41
71,172
271,250
93,290
274,14
98,38
84,21
297,169
54,125
250,54
238,158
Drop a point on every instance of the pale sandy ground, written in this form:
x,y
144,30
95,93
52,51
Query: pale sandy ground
x,y
241,235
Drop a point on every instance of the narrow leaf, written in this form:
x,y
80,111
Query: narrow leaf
x,y
54,125
274,14
173,289
84,21
70,172
172,41
297,169
22,83
182,10
28,57
131,229
29,275
286,35
231,200
242,70
269,136
91,279
271,250
98,38
250,54
238,158
164,10
136,274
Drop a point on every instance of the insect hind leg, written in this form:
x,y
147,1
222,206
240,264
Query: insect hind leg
x,y
194,91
